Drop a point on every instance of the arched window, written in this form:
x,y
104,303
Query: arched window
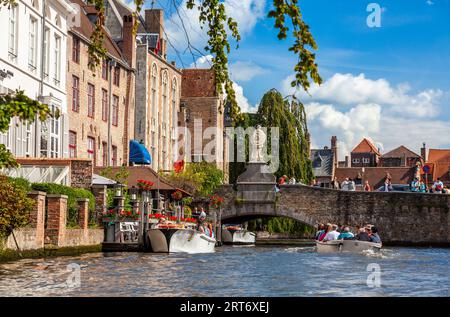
x,y
154,89
58,21
47,13
165,97
35,4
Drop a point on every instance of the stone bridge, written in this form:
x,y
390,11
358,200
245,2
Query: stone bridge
x,y
402,218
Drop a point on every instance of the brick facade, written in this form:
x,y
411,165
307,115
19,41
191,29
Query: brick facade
x,y
89,128
204,109
56,219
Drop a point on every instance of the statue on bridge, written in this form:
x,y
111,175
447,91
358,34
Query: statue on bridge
x,y
258,141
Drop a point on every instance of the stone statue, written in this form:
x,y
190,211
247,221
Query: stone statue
x,y
257,145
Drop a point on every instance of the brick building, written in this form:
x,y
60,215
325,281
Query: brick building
x,y
204,108
400,156
439,161
158,82
100,103
365,154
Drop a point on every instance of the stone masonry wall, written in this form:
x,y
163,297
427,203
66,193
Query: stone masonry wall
x,y
402,218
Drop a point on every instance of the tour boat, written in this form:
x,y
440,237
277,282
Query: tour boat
x,y
170,239
355,246
236,235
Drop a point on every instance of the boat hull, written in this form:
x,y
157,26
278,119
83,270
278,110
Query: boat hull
x,y
354,246
180,241
238,237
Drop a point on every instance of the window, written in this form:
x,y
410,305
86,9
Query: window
x,y
366,160
46,52
72,144
75,94
116,78
50,132
165,99
105,153
91,101
356,160
91,148
154,108
114,155
76,50
104,105
57,60
115,111
32,44
28,139
105,70
12,38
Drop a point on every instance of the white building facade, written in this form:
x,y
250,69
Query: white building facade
x,y
33,59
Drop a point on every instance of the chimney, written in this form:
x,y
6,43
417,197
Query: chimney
x,y
423,152
347,161
129,40
154,23
335,150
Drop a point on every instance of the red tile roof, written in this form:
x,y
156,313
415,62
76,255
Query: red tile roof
x,y
399,152
365,146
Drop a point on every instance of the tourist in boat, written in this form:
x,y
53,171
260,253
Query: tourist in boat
x,y
320,230
363,235
373,233
332,234
328,228
367,187
346,234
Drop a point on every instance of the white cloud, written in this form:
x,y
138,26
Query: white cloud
x,y
245,12
354,107
245,70
242,100
203,62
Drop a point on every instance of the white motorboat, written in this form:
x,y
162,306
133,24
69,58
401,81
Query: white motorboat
x,y
180,240
237,236
354,246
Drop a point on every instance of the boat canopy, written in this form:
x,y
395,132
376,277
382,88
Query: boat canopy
x,y
139,154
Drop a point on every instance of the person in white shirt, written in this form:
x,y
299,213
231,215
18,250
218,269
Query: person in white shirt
x,y
333,234
345,184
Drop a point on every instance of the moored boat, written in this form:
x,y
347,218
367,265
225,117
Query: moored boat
x,y
354,246
236,235
166,239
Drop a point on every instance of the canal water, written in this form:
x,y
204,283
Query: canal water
x,y
234,271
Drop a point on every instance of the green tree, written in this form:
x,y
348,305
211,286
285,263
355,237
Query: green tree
x,y
17,104
15,206
200,178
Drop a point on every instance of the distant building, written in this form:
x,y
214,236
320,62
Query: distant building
x,y
439,161
324,163
365,154
204,108
400,156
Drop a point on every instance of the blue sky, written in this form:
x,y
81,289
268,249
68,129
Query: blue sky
x,y
390,84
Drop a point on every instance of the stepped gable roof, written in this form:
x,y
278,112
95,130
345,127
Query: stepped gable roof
x,y
366,146
123,9
400,152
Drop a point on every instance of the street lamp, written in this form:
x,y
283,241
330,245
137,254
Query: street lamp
x,y
118,188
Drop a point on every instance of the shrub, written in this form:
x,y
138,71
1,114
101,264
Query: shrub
x,y
15,206
73,194
21,182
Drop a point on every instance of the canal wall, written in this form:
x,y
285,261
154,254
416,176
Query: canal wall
x,y
402,218
47,228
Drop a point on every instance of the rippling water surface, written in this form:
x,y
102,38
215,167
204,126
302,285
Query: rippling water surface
x,y
234,271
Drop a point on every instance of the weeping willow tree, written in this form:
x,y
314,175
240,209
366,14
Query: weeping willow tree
x,y
290,117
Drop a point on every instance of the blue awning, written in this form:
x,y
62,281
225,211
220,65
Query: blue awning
x,y
139,154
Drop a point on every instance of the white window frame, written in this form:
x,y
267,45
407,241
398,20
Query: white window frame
x,y
12,32
356,161
154,97
46,52
366,160
57,60
32,44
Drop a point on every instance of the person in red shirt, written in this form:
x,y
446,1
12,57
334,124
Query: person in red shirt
x,y
367,187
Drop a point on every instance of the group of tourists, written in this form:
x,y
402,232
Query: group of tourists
x,y
330,232
284,180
